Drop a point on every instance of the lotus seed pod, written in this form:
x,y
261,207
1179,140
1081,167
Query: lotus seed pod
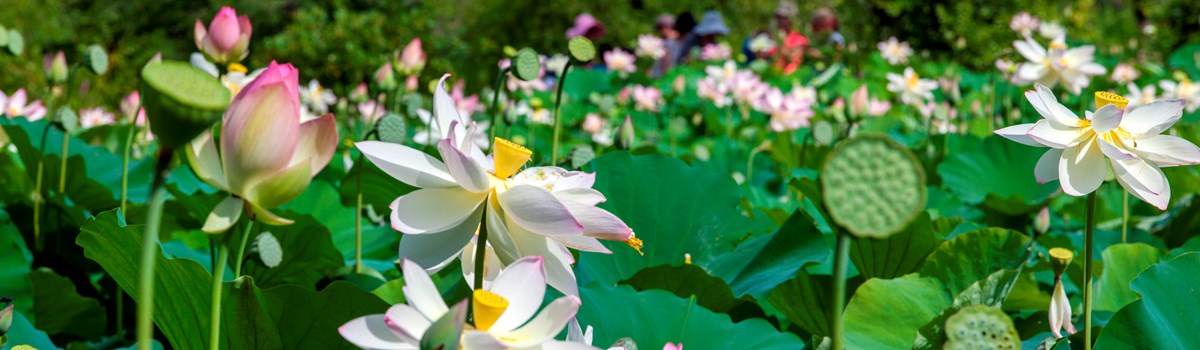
x,y
181,101
625,343
1060,258
581,49
823,133
392,128
269,249
981,327
96,59
526,65
16,42
873,187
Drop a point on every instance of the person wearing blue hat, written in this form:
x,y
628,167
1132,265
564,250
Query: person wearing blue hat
x,y
711,26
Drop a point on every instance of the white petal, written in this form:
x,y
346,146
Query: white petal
x,y
598,222
224,215
444,110
1030,49
1054,111
537,210
421,293
206,162
1113,151
1056,314
1055,136
546,325
407,323
1046,169
558,259
370,332
430,210
1106,118
477,340
1020,134
433,251
523,284
1081,169
1031,71
1145,181
491,265
468,173
563,345
1151,119
1167,150
585,196
408,165
583,243
498,236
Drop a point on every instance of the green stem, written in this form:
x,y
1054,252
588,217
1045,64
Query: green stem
x,y
497,118
840,261
124,211
62,167
562,81
480,249
358,242
158,197
1125,218
214,333
40,198
237,264
1090,226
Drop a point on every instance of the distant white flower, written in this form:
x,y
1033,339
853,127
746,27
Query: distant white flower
x,y
1051,30
556,63
1141,96
715,52
787,112
1184,89
1124,73
371,111
762,43
713,90
1073,67
1024,23
317,97
649,45
895,51
647,98
93,117
618,60
604,137
912,89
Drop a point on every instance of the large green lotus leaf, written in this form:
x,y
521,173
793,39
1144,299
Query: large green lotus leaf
x,y
1185,57
803,301
674,208
308,254
59,309
897,255
889,313
990,291
653,318
975,255
378,188
22,332
14,265
687,281
1025,295
308,320
1165,317
996,170
1122,263
320,200
764,262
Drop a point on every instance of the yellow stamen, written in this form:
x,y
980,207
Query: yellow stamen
x,y
1104,98
509,157
237,67
635,243
687,258
488,308
913,80
1058,45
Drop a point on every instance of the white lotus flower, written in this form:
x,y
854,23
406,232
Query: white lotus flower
x,y
1184,89
428,133
1024,23
649,45
1051,30
1124,73
504,313
538,212
715,91
895,51
1141,96
911,88
1130,139
93,117
618,60
1072,67
317,97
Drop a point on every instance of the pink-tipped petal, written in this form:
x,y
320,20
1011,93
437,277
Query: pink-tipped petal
x,y
316,143
537,210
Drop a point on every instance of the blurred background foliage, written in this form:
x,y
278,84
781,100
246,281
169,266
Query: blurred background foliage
x,y
342,42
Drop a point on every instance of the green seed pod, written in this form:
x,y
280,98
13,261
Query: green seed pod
x,y
981,327
581,49
16,42
269,249
581,155
68,118
823,133
3,36
1060,258
525,64
873,187
392,128
96,59
181,101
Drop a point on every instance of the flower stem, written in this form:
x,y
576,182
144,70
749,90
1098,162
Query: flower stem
x,y
1090,226
358,217
840,261
214,333
562,81
497,118
62,168
1125,218
481,248
237,264
37,191
158,197
124,211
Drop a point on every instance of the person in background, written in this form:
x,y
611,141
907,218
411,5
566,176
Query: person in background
x,y
764,43
711,27
665,26
791,54
825,28
685,23
587,26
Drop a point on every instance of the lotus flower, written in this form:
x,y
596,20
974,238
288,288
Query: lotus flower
x,y
1051,30
1184,89
1024,23
912,89
787,112
1141,96
93,117
1073,67
267,156
227,38
15,105
411,60
593,123
1124,73
1130,139
317,97
647,98
618,60
466,104
536,212
715,52
715,91
650,46
895,51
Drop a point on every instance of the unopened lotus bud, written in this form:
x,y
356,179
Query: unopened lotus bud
x,y
679,84
56,68
385,77
6,316
1041,223
627,136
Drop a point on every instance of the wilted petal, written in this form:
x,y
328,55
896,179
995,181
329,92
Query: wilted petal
x,y
1081,169
436,249
421,293
408,165
546,325
432,210
1151,119
523,284
536,210
1020,134
370,332
1167,150
224,215
1144,180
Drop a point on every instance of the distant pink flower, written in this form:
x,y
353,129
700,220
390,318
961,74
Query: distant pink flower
x,y
673,346
593,123
715,52
227,38
1024,23
411,60
93,117
649,45
15,106
647,98
787,112
747,87
878,107
714,90
618,60
370,110
131,108
467,105
1124,73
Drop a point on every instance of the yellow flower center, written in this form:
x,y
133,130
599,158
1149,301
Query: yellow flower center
x,y
1058,45
237,67
1104,98
14,111
635,243
509,157
488,308
913,80
1115,136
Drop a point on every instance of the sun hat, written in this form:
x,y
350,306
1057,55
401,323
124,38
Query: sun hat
x,y
584,22
711,24
665,20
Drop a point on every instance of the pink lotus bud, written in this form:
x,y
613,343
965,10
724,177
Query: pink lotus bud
x,y
412,60
679,84
411,83
1041,223
55,67
131,107
385,77
860,101
227,38
593,123
359,93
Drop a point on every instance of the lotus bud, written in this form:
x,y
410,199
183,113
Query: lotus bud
x,y
1041,223
385,77
359,94
56,68
679,85
859,101
411,83
627,136
227,38
411,60
6,316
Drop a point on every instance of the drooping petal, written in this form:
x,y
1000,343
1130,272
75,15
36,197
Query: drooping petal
x,y
1167,150
1054,111
267,217
407,323
1106,118
546,325
260,127
1114,151
491,265
224,215
558,259
1151,119
465,171
536,210
436,249
1144,180
1055,136
370,332
1046,169
421,293
432,210
523,284
279,188
1056,315
205,162
598,222
1081,169
408,165
316,143
1020,134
